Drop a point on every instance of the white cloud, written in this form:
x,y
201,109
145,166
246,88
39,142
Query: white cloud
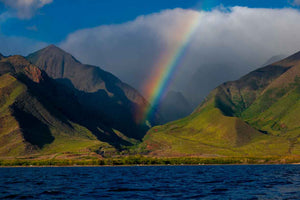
x,y
226,44
25,9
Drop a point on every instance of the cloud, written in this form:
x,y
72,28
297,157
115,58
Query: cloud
x,y
25,9
226,44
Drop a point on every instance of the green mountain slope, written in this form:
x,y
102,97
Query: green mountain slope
x,y
257,115
39,116
276,111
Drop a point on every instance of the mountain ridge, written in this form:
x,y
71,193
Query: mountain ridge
x,y
120,103
40,115
255,116
264,102
174,106
28,124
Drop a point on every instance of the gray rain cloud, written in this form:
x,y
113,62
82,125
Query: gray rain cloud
x,y
226,44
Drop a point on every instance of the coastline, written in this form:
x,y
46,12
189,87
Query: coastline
x,y
149,161
184,165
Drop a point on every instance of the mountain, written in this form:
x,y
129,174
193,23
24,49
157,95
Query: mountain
x,y
274,59
118,104
205,79
81,110
174,106
257,115
35,113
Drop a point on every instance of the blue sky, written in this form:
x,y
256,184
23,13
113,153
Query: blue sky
x,y
54,21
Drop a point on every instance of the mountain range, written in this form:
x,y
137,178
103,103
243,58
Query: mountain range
x,y
257,115
51,104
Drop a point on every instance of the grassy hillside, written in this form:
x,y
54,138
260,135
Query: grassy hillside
x,y
257,115
35,115
209,133
27,131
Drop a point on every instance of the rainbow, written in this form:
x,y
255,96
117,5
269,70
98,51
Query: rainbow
x,y
167,65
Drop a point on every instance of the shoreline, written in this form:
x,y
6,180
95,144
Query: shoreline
x,y
75,166
149,161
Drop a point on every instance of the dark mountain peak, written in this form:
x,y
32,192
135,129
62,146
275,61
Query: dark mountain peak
x,y
53,52
116,102
173,93
59,64
294,57
174,106
52,47
176,98
54,61
274,59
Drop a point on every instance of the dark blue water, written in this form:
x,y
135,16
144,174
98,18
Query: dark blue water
x,y
161,182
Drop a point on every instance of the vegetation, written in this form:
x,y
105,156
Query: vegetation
x,y
44,122
141,160
256,115
35,114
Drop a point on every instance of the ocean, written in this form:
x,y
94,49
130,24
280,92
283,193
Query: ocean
x,y
152,182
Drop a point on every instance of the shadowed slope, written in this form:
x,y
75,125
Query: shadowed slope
x,y
39,115
116,103
174,106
